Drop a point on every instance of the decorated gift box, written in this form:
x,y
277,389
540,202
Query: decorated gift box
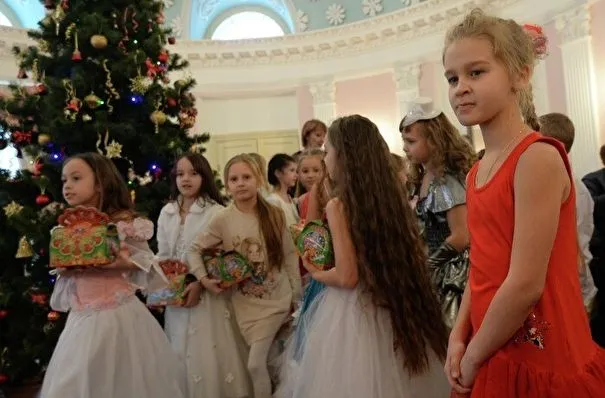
x,y
296,229
84,237
178,279
315,242
230,267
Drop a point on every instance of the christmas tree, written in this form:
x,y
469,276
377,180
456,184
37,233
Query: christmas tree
x,y
97,80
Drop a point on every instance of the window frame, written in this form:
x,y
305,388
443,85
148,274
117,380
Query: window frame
x,y
216,22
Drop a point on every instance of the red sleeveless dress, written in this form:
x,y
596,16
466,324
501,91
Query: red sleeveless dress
x,y
553,354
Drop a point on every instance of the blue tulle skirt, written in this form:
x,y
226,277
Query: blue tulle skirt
x,y
311,292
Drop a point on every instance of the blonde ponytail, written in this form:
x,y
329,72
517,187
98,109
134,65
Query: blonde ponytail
x,y
528,110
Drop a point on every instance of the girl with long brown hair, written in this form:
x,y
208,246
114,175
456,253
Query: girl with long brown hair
x,y
258,231
440,158
376,330
111,345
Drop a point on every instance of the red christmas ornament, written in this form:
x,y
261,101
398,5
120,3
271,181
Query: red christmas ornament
x,y
3,378
3,314
42,200
49,4
171,40
163,57
39,298
53,316
42,252
171,102
160,19
41,89
76,56
21,137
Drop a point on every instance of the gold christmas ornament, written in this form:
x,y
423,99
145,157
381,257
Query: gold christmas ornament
x,y
140,84
25,249
43,139
93,101
158,117
113,150
12,209
98,41
53,316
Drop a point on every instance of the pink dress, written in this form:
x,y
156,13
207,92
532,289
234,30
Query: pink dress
x,y
111,345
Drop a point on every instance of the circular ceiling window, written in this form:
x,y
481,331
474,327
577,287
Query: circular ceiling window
x,y
247,25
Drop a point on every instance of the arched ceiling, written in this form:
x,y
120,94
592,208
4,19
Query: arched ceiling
x,y
194,19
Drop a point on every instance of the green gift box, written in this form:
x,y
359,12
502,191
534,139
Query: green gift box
x,y
84,237
230,267
315,242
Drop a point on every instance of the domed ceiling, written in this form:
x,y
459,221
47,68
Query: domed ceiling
x,y
196,19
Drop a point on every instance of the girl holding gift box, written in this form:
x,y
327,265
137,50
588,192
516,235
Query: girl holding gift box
x,y
257,230
375,330
205,338
111,345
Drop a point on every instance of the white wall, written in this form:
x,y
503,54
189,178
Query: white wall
x,y
247,115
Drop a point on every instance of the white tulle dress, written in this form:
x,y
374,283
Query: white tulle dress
x,y
111,345
348,353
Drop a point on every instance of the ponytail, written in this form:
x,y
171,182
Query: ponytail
x,y
272,223
528,110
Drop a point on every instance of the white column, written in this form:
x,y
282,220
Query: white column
x,y
441,97
540,89
324,105
407,86
580,87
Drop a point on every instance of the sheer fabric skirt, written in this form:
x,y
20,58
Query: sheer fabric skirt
x,y
348,353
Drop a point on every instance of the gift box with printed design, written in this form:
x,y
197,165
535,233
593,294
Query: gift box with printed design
x,y
84,237
176,273
315,242
230,267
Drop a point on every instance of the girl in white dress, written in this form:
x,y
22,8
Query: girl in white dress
x,y
256,230
282,176
111,345
376,329
202,332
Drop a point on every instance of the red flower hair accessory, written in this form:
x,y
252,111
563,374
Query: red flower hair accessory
x,y
538,38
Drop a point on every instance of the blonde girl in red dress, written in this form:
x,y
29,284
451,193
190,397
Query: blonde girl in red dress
x,y
522,330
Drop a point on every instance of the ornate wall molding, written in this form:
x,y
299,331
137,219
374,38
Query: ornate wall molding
x,y
323,92
574,24
412,35
407,77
